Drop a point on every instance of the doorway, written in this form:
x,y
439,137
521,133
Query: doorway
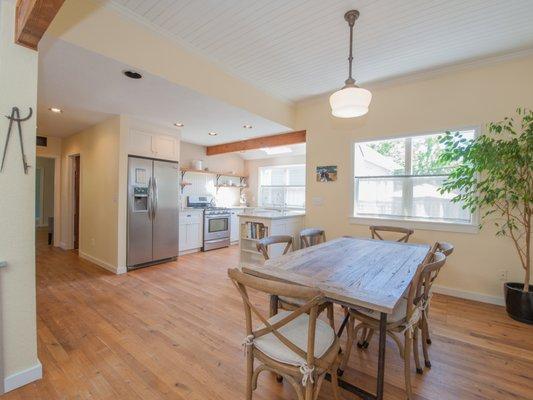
x,y
76,214
45,176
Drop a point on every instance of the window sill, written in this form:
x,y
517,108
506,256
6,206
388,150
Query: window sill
x,y
416,224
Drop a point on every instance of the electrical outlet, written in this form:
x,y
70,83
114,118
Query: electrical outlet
x,y
503,275
93,242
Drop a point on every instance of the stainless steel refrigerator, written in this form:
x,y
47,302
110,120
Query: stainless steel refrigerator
x,y
153,197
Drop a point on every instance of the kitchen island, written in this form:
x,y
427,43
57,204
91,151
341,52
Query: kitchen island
x,y
255,224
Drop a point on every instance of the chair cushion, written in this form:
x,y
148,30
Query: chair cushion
x,y
399,313
296,332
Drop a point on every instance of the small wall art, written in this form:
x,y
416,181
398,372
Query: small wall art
x,y
326,173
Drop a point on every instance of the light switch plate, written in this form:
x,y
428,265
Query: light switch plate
x,y
318,201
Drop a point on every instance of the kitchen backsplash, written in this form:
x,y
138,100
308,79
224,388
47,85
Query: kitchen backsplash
x,y
204,184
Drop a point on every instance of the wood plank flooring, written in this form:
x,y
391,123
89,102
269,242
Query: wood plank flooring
x,y
174,331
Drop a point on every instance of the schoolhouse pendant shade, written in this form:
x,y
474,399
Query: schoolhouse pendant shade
x,y
351,101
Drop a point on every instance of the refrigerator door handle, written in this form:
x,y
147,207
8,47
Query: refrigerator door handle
x,y
150,199
155,195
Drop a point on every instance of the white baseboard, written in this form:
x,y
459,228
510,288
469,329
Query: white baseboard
x,y
190,251
465,294
63,246
98,262
24,377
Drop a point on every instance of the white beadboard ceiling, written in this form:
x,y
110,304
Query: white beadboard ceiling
x,y
298,48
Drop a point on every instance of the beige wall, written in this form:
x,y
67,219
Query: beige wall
x,y
221,162
468,97
18,87
53,148
252,167
47,166
98,148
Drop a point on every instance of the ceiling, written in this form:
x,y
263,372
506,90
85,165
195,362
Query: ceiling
x,y
296,150
90,88
296,49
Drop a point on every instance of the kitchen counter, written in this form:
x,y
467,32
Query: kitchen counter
x,y
271,214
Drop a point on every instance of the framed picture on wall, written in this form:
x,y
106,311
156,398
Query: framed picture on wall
x,y
326,173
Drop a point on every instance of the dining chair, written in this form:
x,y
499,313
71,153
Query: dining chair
x,y
262,244
375,231
311,236
446,249
287,303
293,344
405,318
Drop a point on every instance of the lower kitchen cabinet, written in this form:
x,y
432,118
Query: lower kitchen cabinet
x,y
234,226
191,232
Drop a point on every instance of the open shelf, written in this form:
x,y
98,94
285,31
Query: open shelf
x,y
231,186
201,171
250,251
250,239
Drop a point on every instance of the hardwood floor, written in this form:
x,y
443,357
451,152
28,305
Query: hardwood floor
x,y
174,331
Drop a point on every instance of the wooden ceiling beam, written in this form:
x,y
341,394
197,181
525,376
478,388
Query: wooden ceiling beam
x,y
33,17
283,139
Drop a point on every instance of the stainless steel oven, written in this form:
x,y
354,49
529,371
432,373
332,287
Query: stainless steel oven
x,y
216,229
216,222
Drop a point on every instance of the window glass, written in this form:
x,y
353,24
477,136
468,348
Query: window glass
x,y
282,186
400,178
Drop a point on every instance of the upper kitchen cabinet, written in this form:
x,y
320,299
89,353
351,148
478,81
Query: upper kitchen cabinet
x,y
153,145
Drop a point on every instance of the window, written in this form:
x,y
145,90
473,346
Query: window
x,y
282,186
399,179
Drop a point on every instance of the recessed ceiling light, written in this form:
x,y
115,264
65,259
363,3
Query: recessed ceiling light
x,y
179,124
247,126
277,150
56,110
213,133
132,74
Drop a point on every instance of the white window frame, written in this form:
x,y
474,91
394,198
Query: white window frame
x,y
409,222
259,186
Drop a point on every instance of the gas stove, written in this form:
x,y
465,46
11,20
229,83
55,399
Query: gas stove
x,y
216,211
216,222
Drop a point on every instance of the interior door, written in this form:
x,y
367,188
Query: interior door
x,y
139,210
76,202
166,198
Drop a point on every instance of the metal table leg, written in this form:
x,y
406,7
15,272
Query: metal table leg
x,y
381,365
381,356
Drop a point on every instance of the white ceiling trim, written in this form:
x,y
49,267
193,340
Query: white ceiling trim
x,y
133,17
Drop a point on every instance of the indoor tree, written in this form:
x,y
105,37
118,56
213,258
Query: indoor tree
x,y
493,173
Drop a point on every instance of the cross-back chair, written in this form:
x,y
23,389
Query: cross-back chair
x,y
446,249
311,236
263,244
377,230
404,320
287,303
294,344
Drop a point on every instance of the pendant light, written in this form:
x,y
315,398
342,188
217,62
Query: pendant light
x,y
351,101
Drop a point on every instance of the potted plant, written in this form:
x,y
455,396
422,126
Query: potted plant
x,y
493,173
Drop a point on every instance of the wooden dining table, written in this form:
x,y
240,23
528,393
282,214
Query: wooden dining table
x,y
353,272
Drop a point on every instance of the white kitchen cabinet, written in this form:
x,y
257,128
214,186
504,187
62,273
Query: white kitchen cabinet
x,y
153,145
234,226
191,233
165,147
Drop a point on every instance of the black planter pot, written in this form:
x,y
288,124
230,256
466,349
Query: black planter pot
x,y
519,304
